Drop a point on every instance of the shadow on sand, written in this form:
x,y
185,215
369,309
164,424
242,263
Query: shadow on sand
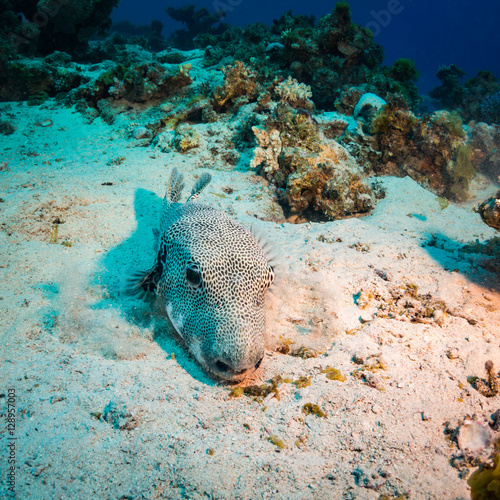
x,y
138,252
478,262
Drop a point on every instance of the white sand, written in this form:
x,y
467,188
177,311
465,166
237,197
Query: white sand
x,y
71,346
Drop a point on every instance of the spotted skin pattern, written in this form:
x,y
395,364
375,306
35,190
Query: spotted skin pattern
x,y
212,275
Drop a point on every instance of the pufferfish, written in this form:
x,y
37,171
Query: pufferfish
x,y
212,275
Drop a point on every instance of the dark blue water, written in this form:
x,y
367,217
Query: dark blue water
x,y
432,32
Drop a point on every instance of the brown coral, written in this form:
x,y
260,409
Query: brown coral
x,y
239,81
315,178
295,93
268,150
432,151
491,387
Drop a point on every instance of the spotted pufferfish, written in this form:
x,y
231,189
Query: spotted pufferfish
x,y
212,275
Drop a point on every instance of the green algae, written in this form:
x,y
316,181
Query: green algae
x,y
485,481
54,233
333,374
302,382
276,441
259,392
443,202
312,409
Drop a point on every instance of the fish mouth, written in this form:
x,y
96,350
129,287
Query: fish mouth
x,y
224,371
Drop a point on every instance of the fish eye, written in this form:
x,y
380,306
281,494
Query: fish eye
x,y
193,274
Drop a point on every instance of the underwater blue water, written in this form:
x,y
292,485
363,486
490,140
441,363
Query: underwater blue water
x,y
431,32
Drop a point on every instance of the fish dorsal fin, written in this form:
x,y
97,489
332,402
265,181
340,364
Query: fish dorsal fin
x,y
199,186
173,193
175,186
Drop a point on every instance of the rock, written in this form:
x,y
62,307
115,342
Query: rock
x,y
275,46
366,317
185,138
495,425
119,417
370,478
62,59
368,107
474,437
141,133
359,358
439,318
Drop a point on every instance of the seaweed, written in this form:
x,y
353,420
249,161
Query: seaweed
x,y
259,392
303,352
490,387
312,409
236,392
284,347
54,232
276,441
302,382
485,481
306,352
333,374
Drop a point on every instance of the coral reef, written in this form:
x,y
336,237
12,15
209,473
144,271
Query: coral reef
x,y
240,84
485,144
197,21
50,26
433,150
314,177
331,56
294,93
450,94
269,81
266,154
477,99
185,138
149,37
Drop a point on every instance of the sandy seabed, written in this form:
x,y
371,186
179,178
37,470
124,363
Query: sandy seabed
x,y
109,404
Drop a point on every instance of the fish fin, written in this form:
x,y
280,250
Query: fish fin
x,y
175,186
270,251
173,193
141,284
199,186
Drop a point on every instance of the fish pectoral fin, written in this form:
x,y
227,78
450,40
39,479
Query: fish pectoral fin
x,y
141,284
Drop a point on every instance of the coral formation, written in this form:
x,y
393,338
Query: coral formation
x,y
197,21
294,93
330,56
267,153
185,138
149,37
239,84
477,99
50,26
435,151
314,177
490,387
270,84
